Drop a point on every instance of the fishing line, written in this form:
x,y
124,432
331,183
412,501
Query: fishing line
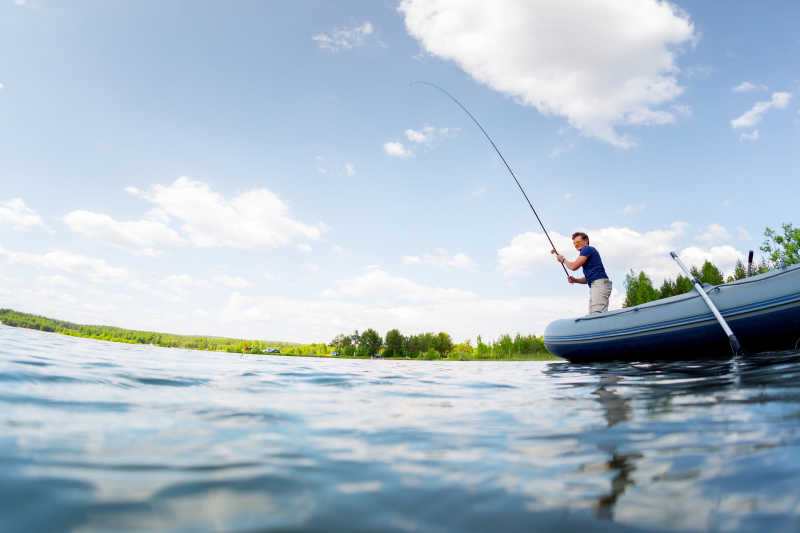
x,y
453,98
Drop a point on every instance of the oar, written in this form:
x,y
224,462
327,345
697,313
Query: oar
x,y
735,346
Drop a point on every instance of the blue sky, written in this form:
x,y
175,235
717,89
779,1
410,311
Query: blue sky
x,y
267,169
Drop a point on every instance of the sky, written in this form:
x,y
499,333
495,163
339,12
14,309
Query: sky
x,y
270,170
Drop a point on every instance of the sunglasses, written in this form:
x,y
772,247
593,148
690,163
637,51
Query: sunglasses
x,y
576,243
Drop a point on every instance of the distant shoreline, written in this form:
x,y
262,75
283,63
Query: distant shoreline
x,y
18,319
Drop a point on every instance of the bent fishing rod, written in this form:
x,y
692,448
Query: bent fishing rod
x,y
503,159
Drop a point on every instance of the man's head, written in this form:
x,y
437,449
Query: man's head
x,y
580,239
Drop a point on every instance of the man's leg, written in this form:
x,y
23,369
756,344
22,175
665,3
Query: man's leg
x,y
600,291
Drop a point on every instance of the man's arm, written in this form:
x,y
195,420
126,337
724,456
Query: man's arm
x,y
572,265
577,280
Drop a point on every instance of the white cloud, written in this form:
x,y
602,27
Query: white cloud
x,y
682,109
714,232
350,169
440,258
344,38
558,150
96,270
2,86
382,301
460,261
19,216
303,247
270,276
600,64
754,115
746,87
378,285
567,196
232,282
480,191
633,208
184,282
416,136
742,233
426,135
57,280
320,161
256,218
724,257
396,149
752,137
134,191
138,236
621,248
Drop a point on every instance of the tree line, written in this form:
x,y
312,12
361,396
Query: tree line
x,y
10,317
366,344
779,248
432,346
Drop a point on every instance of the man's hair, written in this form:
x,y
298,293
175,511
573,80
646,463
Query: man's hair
x,y
582,235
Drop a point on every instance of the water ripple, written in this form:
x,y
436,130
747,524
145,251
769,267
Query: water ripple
x,y
100,436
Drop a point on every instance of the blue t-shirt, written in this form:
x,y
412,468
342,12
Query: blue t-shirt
x,y
593,267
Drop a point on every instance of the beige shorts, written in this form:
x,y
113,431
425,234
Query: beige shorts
x,y
599,293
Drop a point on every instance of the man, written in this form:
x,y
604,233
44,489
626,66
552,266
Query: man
x,y
593,272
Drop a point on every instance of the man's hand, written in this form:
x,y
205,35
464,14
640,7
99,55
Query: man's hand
x,y
560,258
572,279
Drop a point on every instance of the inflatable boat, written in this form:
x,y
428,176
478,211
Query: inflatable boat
x,y
763,311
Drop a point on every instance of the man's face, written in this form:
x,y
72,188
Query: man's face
x,y
579,243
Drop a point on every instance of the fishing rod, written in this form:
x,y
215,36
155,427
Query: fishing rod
x,y
453,98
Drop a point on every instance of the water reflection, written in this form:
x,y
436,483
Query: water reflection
x,y
616,409
691,424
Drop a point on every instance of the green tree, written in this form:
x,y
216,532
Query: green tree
x,y
739,272
394,342
414,346
683,285
484,350
337,342
784,247
638,289
667,289
442,343
709,273
504,346
432,355
370,343
464,347
346,346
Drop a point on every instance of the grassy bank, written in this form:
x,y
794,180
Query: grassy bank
x,y
462,352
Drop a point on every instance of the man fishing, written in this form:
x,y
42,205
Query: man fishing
x,y
593,272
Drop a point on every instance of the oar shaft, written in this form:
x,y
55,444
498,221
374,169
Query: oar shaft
x,y
736,347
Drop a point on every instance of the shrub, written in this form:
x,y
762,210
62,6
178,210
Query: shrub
x,y
432,355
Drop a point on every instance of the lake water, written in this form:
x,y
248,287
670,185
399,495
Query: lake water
x,y
97,436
